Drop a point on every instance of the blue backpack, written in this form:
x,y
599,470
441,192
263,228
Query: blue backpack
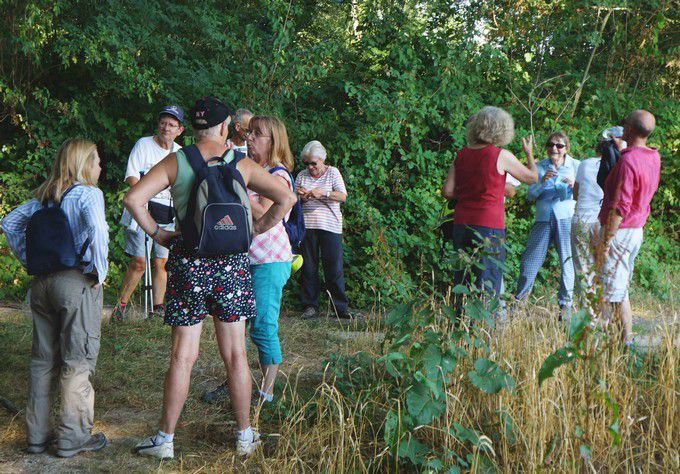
x,y
218,221
295,225
50,246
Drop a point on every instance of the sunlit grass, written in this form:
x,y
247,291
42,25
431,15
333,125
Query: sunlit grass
x,y
314,426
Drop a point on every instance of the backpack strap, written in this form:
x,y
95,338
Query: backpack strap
x,y
194,158
290,175
86,244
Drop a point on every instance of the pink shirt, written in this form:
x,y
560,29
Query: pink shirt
x,y
631,185
273,245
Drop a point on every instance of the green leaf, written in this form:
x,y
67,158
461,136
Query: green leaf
x,y
555,360
399,314
577,325
422,405
490,378
414,450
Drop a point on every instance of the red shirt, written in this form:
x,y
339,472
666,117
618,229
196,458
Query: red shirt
x,y
479,188
631,185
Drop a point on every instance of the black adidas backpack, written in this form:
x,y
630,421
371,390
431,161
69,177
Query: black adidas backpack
x,y
295,225
218,221
50,246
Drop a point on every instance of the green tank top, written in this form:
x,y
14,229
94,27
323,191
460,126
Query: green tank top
x,y
184,183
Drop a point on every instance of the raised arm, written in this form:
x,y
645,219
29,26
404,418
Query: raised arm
x,y
507,162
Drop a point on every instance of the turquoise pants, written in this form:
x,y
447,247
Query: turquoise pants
x,y
268,282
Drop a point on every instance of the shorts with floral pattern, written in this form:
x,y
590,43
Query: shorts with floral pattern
x,y
199,286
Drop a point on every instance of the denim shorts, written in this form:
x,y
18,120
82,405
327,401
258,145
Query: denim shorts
x,y
134,242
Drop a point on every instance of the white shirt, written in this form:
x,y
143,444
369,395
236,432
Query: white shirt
x,y
145,155
242,148
589,192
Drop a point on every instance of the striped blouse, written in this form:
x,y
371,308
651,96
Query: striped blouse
x,y
322,214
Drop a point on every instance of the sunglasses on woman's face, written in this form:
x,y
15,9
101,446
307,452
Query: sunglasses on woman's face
x,y
559,146
310,163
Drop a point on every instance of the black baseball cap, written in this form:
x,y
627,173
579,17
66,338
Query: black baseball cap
x,y
208,112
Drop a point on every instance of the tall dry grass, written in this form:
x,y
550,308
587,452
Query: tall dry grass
x,y
335,431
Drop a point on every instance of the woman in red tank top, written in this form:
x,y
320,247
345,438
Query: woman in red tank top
x,y
476,180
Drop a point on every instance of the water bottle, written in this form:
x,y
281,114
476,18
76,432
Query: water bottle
x,y
613,132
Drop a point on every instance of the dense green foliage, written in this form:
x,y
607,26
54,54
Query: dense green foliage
x,y
384,85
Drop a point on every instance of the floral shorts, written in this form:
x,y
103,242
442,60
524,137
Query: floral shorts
x,y
199,286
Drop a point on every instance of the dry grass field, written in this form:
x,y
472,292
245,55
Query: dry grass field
x,y
315,427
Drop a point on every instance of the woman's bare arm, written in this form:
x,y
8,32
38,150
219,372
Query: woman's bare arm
x,y
268,186
449,188
261,205
507,162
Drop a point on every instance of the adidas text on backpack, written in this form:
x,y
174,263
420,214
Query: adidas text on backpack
x,y
218,221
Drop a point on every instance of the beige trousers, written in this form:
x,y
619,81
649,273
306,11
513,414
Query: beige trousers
x,y
67,313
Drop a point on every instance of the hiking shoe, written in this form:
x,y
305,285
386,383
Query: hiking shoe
x,y
119,311
95,443
37,448
247,448
310,312
148,447
218,395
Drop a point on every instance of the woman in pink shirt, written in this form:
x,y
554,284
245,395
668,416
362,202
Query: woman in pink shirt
x,y
270,254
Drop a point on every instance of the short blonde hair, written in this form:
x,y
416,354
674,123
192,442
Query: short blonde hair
x,y
73,163
315,149
280,154
491,125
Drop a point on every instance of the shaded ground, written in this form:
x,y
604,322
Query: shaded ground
x,y
130,372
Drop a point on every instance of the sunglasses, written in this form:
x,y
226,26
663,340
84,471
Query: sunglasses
x,y
310,163
559,146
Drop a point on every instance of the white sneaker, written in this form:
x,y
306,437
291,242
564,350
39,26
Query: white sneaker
x,y
147,447
246,448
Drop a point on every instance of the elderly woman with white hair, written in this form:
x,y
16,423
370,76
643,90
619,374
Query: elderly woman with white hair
x,y
321,189
476,180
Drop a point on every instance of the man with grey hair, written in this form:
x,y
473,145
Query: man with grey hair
x,y
628,192
239,131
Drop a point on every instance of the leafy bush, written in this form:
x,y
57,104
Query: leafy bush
x,y
385,86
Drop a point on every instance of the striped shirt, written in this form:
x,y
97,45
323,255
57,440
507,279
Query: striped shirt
x,y
273,245
323,213
84,208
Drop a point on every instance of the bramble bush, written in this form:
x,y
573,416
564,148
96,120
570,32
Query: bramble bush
x,y
386,86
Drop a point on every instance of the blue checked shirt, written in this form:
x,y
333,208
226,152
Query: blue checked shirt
x,y
554,195
84,208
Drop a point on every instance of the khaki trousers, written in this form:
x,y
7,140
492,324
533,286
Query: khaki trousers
x,y
67,314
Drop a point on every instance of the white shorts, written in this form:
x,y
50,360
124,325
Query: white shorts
x,y
619,263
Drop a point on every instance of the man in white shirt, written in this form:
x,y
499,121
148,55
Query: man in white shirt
x,y
239,132
147,152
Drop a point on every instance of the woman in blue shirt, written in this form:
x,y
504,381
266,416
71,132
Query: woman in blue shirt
x,y
553,195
